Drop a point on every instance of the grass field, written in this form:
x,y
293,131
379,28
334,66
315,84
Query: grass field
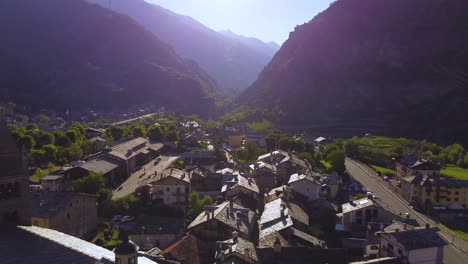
x,y
456,232
260,126
455,172
383,171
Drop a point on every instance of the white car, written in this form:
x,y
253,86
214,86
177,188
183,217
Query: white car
x,y
127,218
117,218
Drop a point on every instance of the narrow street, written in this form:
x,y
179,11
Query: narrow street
x,y
129,186
396,204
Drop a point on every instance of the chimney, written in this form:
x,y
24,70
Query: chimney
x,y
283,208
277,246
235,236
428,225
404,227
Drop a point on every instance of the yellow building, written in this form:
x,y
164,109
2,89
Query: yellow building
x,y
68,212
425,192
408,165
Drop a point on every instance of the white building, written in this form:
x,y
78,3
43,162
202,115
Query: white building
x,y
419,245
171,188
305,185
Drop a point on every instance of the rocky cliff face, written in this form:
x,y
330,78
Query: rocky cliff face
x,y
70,54
387,66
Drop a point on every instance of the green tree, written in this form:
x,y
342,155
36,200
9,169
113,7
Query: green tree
x,y
50,152
61,139
171,135
104,194
90,184
138,131
453,153
43,138
73,135
252,150
219,153
337,160
115,132
155,133
27,141
195,205
351,147
73,152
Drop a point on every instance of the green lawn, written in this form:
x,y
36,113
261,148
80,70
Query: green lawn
x,y
383,171
455,172
326,164
260,126
456,232
43,172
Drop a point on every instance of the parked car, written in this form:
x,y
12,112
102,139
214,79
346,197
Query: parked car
x,y
117,218
127,218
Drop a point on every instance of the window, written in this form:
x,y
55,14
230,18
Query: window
x,y
168,189
68,216
456,193
456,199
131,260
178,189
448,199
36,223
374,247
390,247
449,193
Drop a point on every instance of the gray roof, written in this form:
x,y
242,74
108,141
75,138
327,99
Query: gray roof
x,y
51,177
47,204
356,205
302,177
248,183
133,147
226,214
419,238
238,247
45,246
272,212
101,165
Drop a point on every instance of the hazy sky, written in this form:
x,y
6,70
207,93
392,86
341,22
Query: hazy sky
x,y
268,20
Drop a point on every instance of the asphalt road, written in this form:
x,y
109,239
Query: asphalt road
x,y
394,203
129,186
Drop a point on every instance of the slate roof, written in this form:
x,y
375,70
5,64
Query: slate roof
x,y
51,177
169,173
397,225
238,246
45,246
419,238
47,204
136,146
302,177
272,212
226,214
101,164
188,248
301,255
158,225
241,182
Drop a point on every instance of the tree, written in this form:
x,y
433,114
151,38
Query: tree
x,y
195,205
171,135
73,152
351,147
453,153
104,194
337,160
50,152
43,138
252,150
115,132
155,133
72,134
138,131
219,153
90,184
27,141
61,139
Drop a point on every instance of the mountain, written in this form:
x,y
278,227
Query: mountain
x,y
232,63
393,67
69,54
267,48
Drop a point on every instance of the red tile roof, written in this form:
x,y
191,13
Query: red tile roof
x,y
188,248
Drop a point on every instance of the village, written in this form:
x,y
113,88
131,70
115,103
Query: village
x,y
205,204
